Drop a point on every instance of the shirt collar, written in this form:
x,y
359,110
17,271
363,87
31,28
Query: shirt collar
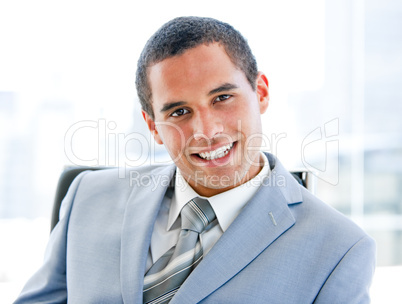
x,y
225,212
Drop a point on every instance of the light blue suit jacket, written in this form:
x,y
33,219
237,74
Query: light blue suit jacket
x,y
286,246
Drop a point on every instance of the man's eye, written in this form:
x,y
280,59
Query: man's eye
x,y
179,112
222,97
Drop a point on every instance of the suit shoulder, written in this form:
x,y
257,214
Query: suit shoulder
x,y
325,217
122,181
112,175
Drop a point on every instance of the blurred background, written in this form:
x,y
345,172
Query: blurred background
x,y
67,97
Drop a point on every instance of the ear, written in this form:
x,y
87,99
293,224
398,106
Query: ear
x,y
262,91
151,126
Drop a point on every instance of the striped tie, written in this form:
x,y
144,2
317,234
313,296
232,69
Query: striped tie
x,y
165,277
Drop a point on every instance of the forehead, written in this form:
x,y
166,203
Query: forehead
x,y
199,68
191,60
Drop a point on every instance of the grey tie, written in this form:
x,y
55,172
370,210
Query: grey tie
x,y
165,277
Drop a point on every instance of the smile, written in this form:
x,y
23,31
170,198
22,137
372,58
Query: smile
x,y
218,153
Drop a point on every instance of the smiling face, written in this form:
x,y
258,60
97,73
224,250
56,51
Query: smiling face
x,y
208,117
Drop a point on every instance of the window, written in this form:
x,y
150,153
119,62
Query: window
x,y
67,96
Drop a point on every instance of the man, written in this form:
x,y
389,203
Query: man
x,y
264,238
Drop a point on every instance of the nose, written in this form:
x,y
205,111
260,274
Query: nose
x,y
207,125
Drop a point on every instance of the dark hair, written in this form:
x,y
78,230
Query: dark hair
x,y
183,33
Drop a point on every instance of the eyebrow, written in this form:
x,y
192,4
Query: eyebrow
x,y
167,106
223,88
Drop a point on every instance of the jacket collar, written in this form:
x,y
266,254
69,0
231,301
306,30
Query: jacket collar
x,y
137,230
265,218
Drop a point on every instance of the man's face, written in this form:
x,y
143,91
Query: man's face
x,y
208,117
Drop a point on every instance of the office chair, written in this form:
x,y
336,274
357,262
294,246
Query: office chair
x,y
304,177
65,180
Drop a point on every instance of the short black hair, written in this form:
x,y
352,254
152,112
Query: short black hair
x,y
184,33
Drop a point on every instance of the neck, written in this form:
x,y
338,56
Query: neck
x,y
207,191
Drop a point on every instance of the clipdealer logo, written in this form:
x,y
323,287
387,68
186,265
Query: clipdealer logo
x,y
319,150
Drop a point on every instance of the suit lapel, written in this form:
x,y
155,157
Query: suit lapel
x,y
265,218
142,209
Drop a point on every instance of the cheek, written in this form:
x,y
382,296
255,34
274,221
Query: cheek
x,y
244,118
252,115
249,124
172,136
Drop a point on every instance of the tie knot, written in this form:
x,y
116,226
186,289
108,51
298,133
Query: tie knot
x,y
197,214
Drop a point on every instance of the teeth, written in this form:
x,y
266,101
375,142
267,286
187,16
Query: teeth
x,y
218,153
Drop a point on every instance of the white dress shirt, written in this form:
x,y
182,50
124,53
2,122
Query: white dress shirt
x,y
227,206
